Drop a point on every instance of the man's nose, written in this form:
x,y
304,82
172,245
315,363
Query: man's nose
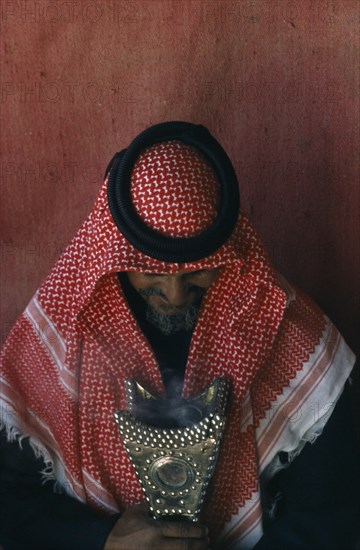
x,y
175,292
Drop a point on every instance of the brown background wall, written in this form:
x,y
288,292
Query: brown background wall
x,y
275,81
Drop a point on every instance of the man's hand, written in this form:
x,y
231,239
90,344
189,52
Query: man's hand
x,y
137,530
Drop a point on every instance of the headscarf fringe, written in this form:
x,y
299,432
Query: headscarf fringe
x,y
270,504
276,465
14,434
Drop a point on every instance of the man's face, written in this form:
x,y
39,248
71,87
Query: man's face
x,y
172,294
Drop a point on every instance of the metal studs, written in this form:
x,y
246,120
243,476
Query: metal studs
x,y
199,439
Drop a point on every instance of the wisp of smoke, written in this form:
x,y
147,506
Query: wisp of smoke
x,y
169,413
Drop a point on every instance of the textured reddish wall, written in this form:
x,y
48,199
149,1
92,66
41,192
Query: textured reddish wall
x,y
275,81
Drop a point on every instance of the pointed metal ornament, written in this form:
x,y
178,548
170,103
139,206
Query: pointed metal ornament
x,y
173,445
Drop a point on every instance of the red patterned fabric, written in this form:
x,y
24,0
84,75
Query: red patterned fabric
x,y
166,191
65,361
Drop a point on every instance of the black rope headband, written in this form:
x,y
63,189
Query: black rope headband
x,y
146,239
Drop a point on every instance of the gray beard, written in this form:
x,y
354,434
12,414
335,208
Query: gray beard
x,y
169,324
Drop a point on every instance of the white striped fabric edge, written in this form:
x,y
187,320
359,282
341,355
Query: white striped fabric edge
x,y
248,520
39,320
317,401
301,408
99,493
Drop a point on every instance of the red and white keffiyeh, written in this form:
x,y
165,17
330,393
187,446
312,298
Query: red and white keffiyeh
x,y
65,360
186,183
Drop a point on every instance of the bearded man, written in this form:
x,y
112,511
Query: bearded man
x,y
167,283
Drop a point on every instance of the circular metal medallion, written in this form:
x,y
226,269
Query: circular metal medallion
x,y
172,473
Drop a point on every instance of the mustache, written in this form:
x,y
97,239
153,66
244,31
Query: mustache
x,y
156,291
152,291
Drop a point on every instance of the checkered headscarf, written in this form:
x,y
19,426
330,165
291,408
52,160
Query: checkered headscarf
x,y
174,189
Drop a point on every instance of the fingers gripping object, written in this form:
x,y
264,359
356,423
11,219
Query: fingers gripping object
x,y
174,464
